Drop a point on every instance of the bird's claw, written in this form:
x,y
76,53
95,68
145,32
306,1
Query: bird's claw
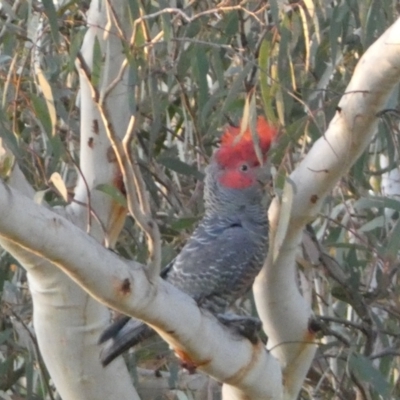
x,y
244,326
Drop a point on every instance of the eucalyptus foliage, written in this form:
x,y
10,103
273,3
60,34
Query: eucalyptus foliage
x,y
192,65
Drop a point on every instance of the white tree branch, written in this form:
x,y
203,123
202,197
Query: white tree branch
x,y
194,334
284,312
67,321
71,333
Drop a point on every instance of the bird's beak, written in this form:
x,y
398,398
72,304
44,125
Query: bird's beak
x,y
264,174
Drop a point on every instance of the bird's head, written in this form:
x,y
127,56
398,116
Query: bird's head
x,y
236,169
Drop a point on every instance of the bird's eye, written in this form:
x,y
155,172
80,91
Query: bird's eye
x,y
244,167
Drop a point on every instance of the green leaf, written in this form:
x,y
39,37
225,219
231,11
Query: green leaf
x,y
362,367
377,202
64,114
180,167
183,223
9,138
51,13
274,6
75,46
96,63
133,80
156,106
237,87
151,186
48,97
307,41
134,9
166,21
193,29
357,171
392,248
371,25
280,105
42,113
231,25
283,56
212,104
184,62
218,67
57,151
263,62
335,30
113,192
200,70
378,222
5,335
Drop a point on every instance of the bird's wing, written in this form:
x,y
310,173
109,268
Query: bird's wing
x,y
218,264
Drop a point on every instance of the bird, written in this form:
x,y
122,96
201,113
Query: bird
x,y
219,262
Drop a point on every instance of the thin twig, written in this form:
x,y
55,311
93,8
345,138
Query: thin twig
x,y
151,228
138,178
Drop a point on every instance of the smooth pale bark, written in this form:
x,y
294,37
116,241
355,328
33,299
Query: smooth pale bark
x,y
67,320
284,312
74,366
226,356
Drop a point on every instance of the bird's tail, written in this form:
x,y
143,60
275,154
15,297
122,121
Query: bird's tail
x,y
122,334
